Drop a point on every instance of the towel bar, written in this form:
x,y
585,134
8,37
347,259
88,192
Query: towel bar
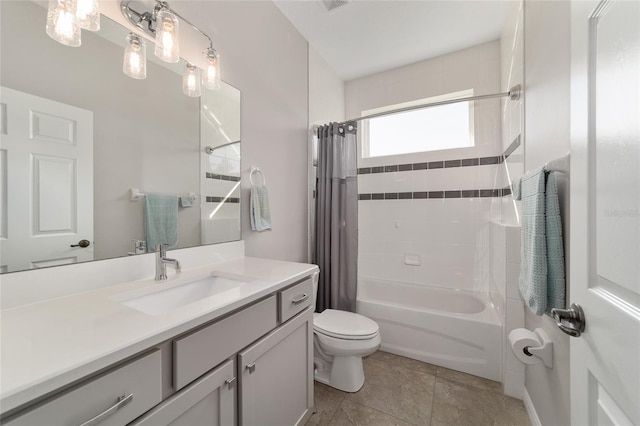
x,y
562,164
135,194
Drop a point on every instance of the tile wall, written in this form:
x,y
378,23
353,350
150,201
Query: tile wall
x,y
433,205
505,270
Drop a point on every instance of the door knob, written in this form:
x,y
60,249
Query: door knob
x,y
81,243
571,320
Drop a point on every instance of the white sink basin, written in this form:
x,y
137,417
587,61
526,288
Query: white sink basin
x,y
166,300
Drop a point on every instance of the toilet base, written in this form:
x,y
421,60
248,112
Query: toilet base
x,y
345,373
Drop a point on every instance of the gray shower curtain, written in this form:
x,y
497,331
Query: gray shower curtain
x,y
336,246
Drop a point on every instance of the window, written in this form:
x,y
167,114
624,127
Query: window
x,y
428,129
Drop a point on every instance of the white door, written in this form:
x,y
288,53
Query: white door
x,y
605,212
46,167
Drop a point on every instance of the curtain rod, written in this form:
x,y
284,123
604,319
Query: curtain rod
x,y
514,94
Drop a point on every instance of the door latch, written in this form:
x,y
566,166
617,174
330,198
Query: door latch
x,y
571,320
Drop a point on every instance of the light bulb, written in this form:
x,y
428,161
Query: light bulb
x,y
211,75
191,81
135,57
167,36
62,22
88,14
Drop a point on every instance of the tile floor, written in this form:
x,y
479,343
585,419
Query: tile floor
x,y
401,391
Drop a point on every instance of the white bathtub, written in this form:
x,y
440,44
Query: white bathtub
x,y
450,328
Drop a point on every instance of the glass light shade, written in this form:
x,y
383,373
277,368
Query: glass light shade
x,y
167,36
191,81
211,74
62,22
135,57
88,14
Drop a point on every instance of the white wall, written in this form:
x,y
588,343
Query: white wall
x,y
326,104
547,117
451,236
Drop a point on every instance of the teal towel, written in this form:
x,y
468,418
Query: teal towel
x,y
161,220
542,279
259,208
187,200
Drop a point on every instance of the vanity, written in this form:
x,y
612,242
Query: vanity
x,y
227,342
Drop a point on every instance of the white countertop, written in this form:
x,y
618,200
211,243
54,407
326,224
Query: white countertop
x,y
53,343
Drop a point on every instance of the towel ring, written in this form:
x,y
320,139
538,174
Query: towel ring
x,y
255,170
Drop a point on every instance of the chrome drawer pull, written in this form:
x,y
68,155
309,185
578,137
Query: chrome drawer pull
x,y
122,401
251,367
300,299
229,382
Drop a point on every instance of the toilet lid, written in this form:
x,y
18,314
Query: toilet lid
x,y
343,324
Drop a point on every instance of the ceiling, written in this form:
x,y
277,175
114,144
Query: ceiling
x,y
363,37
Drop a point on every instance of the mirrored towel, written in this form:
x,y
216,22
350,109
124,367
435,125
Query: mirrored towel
x,y
161,220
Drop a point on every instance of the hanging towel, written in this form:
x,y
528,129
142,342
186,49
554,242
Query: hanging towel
x,y
542,282
161,220
187,200
259,208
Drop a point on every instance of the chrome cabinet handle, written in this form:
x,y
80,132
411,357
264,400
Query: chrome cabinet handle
x,y
229,382
251,367
571,321
122,401
300,299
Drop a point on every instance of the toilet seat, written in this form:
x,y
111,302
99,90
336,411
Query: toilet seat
x,y
344,325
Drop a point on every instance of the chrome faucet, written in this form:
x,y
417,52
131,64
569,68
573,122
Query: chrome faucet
x,y
162,261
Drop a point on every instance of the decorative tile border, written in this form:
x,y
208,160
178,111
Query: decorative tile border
x,y
222,177
465,193
221,199
458,193
464,162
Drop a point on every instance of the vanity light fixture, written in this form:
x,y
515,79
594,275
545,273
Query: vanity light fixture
x,y
88,14
191,81
161,24
211,75
135,57
167,35
62,22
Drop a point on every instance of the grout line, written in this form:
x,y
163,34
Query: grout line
x,y
433,394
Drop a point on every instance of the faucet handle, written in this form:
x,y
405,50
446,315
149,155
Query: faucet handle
x,y
161,248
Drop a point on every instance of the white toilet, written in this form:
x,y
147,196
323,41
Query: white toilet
x,y
340,340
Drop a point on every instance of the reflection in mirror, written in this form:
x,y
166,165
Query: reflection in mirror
x,y
220,180
78,134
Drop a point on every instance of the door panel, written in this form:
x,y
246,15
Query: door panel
x,y
605,211
54,183
46,165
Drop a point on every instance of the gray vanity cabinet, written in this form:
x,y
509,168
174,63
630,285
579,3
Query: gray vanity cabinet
x,y
252,367
276,375
210,400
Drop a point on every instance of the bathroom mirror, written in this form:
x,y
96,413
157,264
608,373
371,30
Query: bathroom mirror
x,y
89,134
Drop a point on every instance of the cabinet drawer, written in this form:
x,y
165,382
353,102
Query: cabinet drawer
x,y
295,299
199,352
96,402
